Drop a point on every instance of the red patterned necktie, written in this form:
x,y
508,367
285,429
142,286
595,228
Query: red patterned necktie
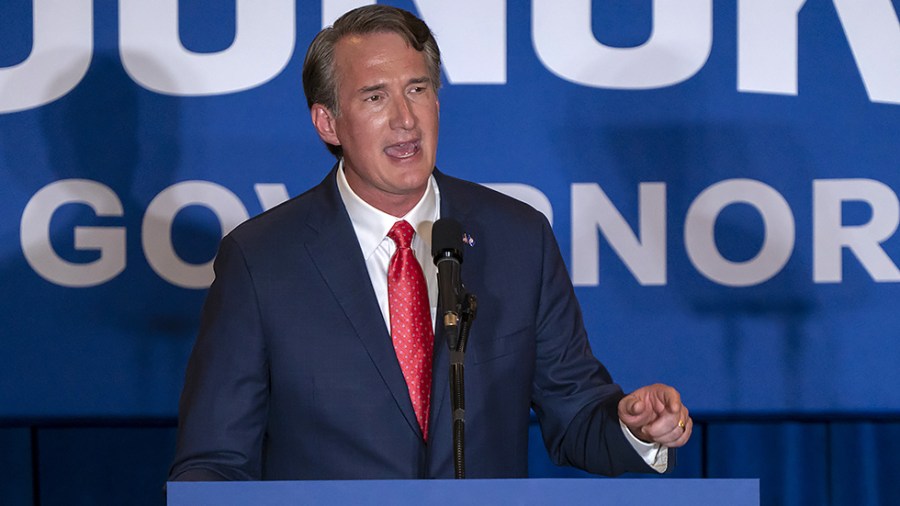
x,y
411,321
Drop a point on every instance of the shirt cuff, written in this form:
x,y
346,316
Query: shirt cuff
x,y
654,454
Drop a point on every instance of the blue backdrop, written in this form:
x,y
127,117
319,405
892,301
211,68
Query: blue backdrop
x,y
721,178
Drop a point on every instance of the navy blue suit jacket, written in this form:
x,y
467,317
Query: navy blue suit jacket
x,y
293,375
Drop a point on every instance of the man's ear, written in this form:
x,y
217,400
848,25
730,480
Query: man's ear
x,y
323,121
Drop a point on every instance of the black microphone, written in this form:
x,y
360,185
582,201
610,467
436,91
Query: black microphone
x,y
447,250
458,309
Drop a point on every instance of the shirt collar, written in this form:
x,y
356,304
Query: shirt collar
x,y
372,225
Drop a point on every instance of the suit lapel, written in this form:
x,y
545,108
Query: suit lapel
x,y
336,254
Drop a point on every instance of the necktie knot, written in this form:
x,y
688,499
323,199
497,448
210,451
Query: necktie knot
x,y
401,233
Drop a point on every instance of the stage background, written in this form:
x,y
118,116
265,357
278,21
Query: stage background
x,y
721,177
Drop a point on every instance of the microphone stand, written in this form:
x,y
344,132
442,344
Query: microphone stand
x,y
457,345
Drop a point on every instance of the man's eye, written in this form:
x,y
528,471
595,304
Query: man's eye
x,y
418,89
373,98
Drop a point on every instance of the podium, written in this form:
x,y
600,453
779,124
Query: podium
x,y
571,492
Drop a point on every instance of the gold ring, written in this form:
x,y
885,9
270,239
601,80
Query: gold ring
x,y
681,424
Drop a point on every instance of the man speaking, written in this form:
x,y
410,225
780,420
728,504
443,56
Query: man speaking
x,y
317,357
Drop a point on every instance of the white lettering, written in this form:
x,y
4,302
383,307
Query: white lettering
x,y
830,235
473,48
34,234
678,46
527,194
767,46
592,210
61,52
157,229
154,57
270,194
699,232
873,32
593,214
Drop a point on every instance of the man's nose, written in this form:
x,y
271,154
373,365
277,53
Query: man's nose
x,y
403,116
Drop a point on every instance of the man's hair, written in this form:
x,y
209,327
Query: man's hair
x,y
319,79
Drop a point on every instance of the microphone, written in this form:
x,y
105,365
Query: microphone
x,y
447,250
458,312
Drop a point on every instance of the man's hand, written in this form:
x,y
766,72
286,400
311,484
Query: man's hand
x,y
655,414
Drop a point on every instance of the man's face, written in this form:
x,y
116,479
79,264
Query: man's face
x,y
388,120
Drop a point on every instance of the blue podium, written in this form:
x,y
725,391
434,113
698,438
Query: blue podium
x,y
571,492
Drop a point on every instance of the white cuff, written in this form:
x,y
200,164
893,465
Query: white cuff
x,y
654,454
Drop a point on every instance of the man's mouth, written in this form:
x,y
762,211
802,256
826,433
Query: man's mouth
x,y
402,150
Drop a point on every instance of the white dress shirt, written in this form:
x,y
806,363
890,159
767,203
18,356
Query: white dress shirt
x,y
372,226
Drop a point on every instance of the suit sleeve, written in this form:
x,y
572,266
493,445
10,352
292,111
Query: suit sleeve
x,y
223,407
573,394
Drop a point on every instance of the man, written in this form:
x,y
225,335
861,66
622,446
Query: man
x,y
311,363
